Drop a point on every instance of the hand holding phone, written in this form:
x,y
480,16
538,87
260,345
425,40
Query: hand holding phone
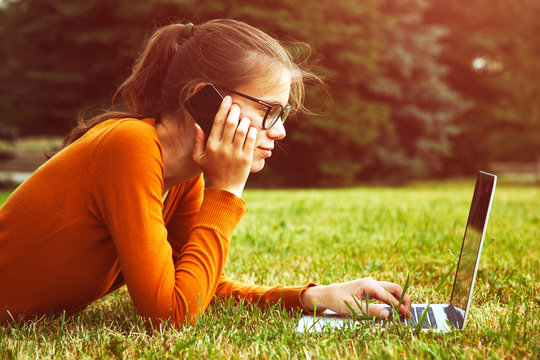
x,y
227,155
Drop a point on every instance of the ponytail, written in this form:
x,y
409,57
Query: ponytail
x,y
140,93
142,90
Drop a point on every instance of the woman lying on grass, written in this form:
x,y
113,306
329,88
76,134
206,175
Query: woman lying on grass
x,y
124,201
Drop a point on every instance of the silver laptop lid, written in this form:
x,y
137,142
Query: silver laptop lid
x,y
472,245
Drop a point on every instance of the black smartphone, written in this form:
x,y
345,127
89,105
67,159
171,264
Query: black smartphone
x,y
203,106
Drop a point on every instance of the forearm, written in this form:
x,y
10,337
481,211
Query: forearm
x,y
288,296
201,260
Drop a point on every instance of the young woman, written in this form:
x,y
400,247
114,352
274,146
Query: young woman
x,y
124,201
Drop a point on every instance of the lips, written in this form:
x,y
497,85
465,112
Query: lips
x,y
266,150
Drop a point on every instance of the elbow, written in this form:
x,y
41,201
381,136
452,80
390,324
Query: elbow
x,y
187,311
178,318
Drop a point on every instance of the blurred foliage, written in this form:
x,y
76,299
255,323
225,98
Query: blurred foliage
x,y
60,57
492,53
403,101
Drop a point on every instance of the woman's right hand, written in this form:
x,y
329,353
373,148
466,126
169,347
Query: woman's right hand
x,y
227,155
334,296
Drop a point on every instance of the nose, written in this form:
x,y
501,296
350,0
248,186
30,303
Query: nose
x,y
277,132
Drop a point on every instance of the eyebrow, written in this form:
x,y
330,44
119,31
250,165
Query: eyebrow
x,y
273,102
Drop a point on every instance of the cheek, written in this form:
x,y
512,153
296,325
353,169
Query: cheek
x,y
261,134
254,116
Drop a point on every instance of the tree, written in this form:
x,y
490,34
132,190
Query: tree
x,y
61,57
412,82
492,54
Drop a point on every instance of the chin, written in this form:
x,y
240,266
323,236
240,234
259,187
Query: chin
x,y
257,166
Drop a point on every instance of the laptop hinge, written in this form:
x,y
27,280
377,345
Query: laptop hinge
x,y
454,316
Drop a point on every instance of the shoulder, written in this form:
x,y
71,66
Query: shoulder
x,y
136,126
126,139
128,146
131,133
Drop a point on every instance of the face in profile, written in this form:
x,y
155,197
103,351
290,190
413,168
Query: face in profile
x,y
273,89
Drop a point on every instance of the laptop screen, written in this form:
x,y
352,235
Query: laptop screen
x,y
472,243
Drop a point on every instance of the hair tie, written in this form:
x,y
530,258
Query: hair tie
x,y
186,33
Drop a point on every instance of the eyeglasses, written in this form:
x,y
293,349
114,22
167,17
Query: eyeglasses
x,y
274,112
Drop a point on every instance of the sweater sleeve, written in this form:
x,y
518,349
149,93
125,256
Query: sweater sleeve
x,y
183,218
123,186
289,297
179,225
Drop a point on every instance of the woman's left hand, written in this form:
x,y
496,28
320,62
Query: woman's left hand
x,y
333,297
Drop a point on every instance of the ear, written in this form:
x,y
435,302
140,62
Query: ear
x,y
198,86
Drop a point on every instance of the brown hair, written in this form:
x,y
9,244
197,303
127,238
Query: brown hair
x,y
227,53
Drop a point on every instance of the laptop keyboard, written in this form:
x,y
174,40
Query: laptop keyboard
x,y
429,321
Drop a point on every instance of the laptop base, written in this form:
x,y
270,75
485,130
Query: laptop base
x,y
436,320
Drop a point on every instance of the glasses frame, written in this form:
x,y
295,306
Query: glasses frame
x,y
283,109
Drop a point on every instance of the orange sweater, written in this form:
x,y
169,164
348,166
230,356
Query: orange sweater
x,y
92,218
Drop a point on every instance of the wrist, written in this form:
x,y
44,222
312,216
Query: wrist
x,y
314,297
233,190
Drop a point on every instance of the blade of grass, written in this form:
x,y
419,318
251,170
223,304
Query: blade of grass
x,y
230,304
183,345
396,310
367,304
313,325
444,278
315,320
418,326
3,314
405,288
355,314
535,347
513,322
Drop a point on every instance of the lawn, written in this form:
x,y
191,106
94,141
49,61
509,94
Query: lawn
x,y
296,236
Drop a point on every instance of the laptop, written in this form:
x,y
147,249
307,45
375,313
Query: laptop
x,y
438,317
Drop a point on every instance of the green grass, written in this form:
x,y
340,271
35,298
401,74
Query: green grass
x,y
293,237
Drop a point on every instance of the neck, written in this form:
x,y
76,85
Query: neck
x,y
176,140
